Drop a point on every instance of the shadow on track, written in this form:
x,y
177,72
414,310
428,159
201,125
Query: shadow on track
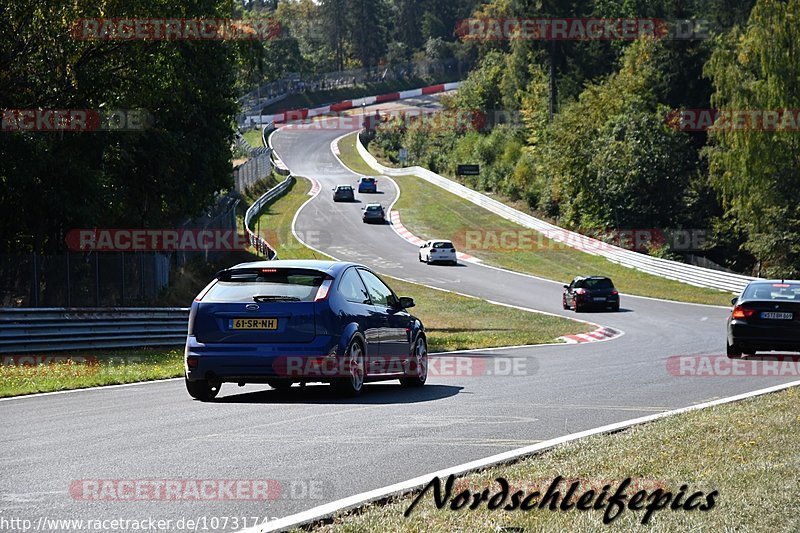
x,y
372,394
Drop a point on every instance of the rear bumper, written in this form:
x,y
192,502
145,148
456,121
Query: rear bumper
x,y
253,363
757,337
590,302
443,258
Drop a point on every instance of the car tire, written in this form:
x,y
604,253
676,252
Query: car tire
x,y
280,384
564,302
733,351
202,389
419,256
454,263
578,308
615,308
420,365
354,360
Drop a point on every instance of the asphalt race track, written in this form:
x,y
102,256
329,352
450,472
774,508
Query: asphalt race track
x,y
320,447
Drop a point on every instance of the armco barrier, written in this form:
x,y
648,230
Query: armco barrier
x,y
256,241
693,275
28,330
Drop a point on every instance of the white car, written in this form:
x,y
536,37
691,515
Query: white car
x,y
438,251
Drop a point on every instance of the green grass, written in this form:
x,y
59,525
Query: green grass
x,y
349,156
747,451
430,212
253,137
89,369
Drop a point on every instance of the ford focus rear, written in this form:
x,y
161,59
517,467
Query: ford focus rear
x,y
286,322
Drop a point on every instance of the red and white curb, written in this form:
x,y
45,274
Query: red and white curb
x,y
302,114
403,232
600,334
315,187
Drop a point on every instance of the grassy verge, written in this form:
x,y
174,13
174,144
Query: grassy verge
x,y
253,137
349,156
747,451
430,212
81,369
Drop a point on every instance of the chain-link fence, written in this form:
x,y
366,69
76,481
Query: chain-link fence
x,y
78,279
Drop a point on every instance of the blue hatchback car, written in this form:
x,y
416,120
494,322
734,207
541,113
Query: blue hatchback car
x,y
367,184
286,322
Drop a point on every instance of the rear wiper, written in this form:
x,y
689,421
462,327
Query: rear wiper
x,y
263,299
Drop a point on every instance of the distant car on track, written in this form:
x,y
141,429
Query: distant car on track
x,y
438,251
590,292
343,193
283,322
766,316
374,213
367,184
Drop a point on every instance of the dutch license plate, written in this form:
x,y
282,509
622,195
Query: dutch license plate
x,y
599,299
253,323
773,315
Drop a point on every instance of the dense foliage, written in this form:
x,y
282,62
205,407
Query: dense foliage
x,y
613,155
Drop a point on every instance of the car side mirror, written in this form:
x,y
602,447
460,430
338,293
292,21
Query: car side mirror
x,y
406,302
566,286
734,300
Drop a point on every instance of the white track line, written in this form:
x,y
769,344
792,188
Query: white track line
x,y
360,500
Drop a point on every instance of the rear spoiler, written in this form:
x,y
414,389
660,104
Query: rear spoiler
x,y
227,273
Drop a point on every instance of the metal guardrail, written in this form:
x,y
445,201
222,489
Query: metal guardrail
x,y
271,195
48,329
691,274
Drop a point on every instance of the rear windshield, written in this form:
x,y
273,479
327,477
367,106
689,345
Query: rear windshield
x,y
367,180
443,244
266,284
594,284
345,188
374,208
772,291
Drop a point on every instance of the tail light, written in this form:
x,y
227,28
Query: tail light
x,y
742,312
580,291
324,290
614,292
191,362
453,250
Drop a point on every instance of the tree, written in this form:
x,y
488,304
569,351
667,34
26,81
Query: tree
x,y
756,170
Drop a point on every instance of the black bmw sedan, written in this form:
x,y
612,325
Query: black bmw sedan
x,y
766,316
